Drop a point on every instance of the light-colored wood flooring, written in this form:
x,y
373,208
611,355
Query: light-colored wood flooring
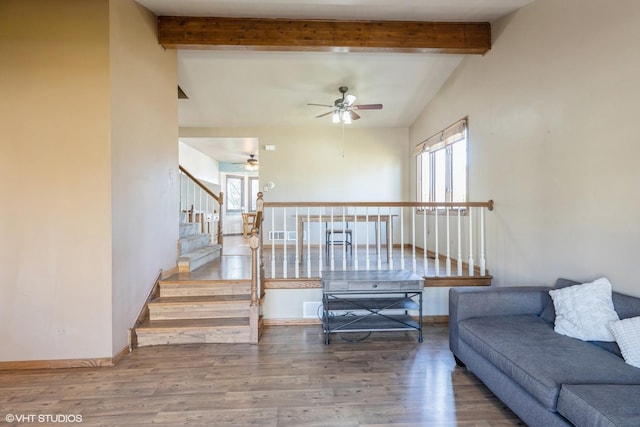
x,y
291,378
235,262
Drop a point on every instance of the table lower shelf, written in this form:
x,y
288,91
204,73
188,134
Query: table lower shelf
x,y
370,323
345,303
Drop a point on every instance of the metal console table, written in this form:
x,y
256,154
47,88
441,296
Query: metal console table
x,y
366,301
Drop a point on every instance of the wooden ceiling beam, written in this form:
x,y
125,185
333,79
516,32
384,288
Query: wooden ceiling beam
x,y
180,32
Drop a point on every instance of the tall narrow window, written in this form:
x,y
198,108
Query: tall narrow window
x,y
442,165
235,193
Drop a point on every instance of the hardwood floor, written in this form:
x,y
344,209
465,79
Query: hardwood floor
x,y
291,378
235,263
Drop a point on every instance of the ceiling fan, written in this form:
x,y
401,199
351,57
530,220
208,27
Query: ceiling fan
x,y
251,164
343,108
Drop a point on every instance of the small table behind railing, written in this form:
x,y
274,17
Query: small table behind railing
x,y
354,219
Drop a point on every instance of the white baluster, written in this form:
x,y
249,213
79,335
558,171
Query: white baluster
x,y
401,238
378,239
413,238
366,230
285,266
448,262
320,246
471,243
309,242
297,248
437,245
332,262
390,241
354,242
206,219
483,265
200,209
459,262
193,184
181,193
344,238
425,253
273,243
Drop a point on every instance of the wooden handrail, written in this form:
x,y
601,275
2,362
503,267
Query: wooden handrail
x,y
452,205
202,186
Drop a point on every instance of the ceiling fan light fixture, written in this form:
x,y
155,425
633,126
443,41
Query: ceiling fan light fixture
x,y
343,108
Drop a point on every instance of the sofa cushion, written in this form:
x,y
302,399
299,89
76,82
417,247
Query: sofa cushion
x,y
585,311
626,305
599,405
527,349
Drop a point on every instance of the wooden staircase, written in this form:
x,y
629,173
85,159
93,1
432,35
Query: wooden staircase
x,y
203,311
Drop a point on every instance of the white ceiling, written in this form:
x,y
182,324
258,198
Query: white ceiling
x,y
250,89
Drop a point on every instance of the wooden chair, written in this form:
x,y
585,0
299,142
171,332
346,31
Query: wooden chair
x,y
248,222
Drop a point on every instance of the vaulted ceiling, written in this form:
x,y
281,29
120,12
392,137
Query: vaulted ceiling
x,y
248,88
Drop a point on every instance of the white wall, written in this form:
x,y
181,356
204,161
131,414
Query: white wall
x,y
144,169
55,173
317,164
199,164
552,111
88,169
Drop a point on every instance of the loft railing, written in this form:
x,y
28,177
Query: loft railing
x,y
199,204
431,239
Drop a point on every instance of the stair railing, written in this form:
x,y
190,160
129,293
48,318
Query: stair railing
x,y
199,204
257,274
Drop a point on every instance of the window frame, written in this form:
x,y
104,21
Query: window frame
x,y
241,178
434,146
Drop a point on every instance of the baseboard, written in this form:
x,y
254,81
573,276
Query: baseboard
x,y
435,320
291,322
118,357
100,362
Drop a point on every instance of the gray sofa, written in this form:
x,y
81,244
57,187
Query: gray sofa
x,y
505,337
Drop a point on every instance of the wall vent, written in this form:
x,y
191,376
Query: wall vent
x,y
291,235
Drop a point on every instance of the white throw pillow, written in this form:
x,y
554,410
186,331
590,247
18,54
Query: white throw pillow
x,y
627,333
585,311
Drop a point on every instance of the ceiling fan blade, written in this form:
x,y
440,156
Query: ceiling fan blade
x,y
322,105
354,115
349,100
368,107
325,114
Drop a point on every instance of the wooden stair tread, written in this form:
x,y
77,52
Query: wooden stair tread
x,y
228,322
201,299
